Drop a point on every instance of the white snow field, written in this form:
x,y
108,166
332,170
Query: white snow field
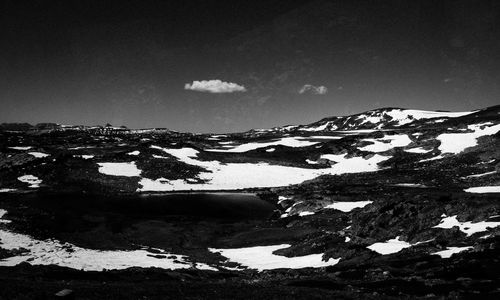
x,y
2,213
322,137
467,227
415,185
399,116
389,246
53,252
451,250
286,141
128,169
457,142
84,156
233,176
306,213
348,206
21,148
483,189
262,258
481,175
321,127
418,150
402,116
38,154
386,143
282,198
33,181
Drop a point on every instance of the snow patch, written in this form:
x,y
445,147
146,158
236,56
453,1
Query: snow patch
x,y
418,150
287,141
451,250
263,258
348,206
416,185
232,176
390,246
323,137
483,189
38,154
305,213
33,181
481,175
402,116
21,148
128,169
53,252
282,198
467,227
457,142
386,143
2,213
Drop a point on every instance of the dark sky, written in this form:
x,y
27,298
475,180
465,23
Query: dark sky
x,y
128,62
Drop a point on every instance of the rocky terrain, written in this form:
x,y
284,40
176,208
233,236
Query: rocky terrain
x,y
390,203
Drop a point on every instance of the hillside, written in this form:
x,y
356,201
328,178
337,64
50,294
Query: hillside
x,y
387,203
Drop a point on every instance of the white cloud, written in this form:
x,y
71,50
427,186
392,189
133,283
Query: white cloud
x,y
214,86
316,90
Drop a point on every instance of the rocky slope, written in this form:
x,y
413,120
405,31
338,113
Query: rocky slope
x,y
387,203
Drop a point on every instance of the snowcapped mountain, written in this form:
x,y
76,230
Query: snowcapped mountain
x,y
384,118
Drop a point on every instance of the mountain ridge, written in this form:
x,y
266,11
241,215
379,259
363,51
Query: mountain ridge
x,y
108,129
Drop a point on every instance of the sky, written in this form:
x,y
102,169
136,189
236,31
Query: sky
x,y
228,66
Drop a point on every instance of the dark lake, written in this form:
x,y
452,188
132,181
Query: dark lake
x,y
203,205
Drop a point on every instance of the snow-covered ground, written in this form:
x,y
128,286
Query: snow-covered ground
x,y
33,181
21,147
457,142
305,213
386,143
321,127
467,227
418,150
286,141
393,246
481,175
415,185
84,156
128,169
452,250
38,154
323,137
2,213
232,176
389,246
483,189
262,258
348,206
402,116
53,252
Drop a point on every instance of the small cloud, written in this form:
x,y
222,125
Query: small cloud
x,y
214,86
316,90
